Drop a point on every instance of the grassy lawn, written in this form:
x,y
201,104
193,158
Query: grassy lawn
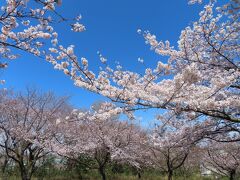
x,y
119,177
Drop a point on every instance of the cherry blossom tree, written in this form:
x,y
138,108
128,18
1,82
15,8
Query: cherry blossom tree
x,y
99,134
220,131
29,26
201,76
223,158
4,162
198,86
170,143
192,164
27,124
176,138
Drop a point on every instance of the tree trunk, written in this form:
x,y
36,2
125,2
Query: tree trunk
x,y
80,177
102,172
170,174
24,174
4,166
139,175
232,175
25,177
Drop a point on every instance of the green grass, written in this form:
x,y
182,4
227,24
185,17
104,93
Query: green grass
x,y
119,177
125,173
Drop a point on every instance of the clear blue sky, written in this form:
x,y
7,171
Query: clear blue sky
x,y
111,28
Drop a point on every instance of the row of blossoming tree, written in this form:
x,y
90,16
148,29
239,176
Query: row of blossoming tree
x,y
198,89
35,126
